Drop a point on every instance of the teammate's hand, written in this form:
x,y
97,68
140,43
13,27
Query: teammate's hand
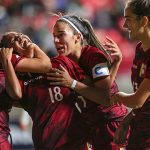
x,y
60,77
113,49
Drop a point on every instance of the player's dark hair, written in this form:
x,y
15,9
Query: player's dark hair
x,y
139,7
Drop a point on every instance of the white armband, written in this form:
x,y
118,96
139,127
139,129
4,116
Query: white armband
x,y
74,83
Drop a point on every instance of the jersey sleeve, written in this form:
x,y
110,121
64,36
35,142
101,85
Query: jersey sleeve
x,y
73,68
15,60
94,63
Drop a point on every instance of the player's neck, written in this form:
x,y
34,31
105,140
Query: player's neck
x,y
146,46
146,43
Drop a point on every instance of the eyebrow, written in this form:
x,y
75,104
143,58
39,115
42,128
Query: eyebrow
x,y
127,16
60,32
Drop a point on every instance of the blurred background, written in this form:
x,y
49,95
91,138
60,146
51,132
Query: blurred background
x,y
32,17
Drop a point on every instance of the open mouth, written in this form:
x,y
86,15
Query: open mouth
x,y
60,49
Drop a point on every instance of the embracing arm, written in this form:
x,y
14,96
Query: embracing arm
x,y
97,92
137,99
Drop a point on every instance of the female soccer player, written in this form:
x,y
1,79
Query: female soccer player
x,y
20,42
137,23
74,37
55,123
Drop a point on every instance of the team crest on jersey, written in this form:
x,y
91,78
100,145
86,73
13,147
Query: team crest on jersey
x,y
142,70
100,70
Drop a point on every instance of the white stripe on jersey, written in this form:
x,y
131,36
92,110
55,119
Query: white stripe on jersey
x,y
100,70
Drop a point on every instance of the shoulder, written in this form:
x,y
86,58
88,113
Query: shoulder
x,y
15,59
91,56
63,60
91,51
72,67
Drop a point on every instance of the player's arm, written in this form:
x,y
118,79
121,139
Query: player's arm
x,y
13,87
116,55
137,99
35,60
97,91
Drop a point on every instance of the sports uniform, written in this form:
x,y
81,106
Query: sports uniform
x,y
55,123
140,124
5,107
103,120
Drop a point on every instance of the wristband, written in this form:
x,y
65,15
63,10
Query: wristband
x,y
74,83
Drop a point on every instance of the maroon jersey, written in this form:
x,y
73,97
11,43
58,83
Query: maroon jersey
x,y
4,110
52,108
140,125
91,60
103,120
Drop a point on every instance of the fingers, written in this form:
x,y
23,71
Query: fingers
x,y
6,50
54,74
55,79
55,83
6,54
62,68
59,70
110,43
11,50
109,39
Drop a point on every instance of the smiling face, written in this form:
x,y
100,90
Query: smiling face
x,y
10,38
64,39
133,24
18,41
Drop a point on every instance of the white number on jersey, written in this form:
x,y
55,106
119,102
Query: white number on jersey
x,y
55,94
83,101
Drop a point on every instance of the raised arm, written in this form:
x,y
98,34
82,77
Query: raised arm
x,y
35,60
38,63
12,84
116,54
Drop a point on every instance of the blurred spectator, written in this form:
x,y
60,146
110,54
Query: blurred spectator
x,y
25,122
